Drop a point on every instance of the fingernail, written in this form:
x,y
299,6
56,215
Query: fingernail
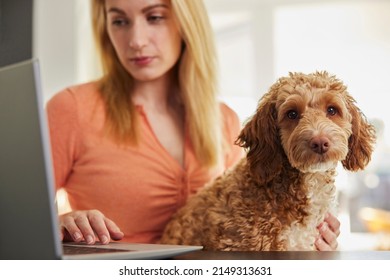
x,y
104,239
77,236
89,239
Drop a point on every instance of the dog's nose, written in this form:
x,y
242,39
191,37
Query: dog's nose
x,y
320,144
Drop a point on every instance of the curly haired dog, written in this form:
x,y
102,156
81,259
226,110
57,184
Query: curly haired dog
x,y
275,197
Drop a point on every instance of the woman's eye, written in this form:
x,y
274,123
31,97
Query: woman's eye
x,y
331,111
292,114
119,22
155,18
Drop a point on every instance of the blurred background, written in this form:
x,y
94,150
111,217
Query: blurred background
x,y
259,41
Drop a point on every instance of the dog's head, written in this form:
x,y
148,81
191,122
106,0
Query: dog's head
x,y
311,121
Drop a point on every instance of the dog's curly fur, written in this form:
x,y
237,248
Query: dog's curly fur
x,y
275,197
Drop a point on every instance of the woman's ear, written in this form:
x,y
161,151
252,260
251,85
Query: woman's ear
x,y
260,137
361,142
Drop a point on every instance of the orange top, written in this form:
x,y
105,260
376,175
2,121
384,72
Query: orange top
x,y
138,187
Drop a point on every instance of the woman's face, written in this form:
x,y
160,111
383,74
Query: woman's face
x,y
145,36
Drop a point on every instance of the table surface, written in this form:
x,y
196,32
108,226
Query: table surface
x,y
338,255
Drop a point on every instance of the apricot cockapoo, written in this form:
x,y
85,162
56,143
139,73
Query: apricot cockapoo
x,y
275,197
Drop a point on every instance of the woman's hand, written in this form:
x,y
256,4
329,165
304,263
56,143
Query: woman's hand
x,y
329,231
85,225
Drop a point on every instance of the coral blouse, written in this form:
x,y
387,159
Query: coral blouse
x,y
138,187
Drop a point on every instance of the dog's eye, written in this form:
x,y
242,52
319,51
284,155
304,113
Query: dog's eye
x,y
332,111
292,115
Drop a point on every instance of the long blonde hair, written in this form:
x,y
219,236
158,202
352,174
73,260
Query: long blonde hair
x,y
197,80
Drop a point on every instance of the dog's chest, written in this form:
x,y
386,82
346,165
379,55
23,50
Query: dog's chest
x,y
321,199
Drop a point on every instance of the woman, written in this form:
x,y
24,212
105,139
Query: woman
x,y
137,143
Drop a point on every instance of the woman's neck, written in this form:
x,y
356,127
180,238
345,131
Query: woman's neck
x,y
154,95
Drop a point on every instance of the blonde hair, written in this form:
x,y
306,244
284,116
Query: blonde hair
x,y
197,79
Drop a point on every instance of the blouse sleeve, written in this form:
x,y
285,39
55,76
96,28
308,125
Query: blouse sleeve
x,y
232,126
64,134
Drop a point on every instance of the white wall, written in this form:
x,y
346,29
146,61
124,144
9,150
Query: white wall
x,y
63,43
54,43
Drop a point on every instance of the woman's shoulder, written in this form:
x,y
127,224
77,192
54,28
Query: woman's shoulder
x,y
80,102
230,120
79,92
227,113
83,95
232,128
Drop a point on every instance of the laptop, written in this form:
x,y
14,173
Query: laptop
x,y
28,214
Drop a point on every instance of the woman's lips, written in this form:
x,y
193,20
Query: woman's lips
x,y
142,60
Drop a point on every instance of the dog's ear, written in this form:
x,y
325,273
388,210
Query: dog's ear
x,y
361,142
260,137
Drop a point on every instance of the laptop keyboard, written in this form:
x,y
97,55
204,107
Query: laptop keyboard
x,y
82,250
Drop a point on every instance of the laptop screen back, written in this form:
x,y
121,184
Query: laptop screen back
x,y
27,214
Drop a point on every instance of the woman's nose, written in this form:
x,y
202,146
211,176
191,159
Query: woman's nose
x,y
138,36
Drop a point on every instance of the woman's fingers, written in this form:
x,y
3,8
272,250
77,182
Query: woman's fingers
x,y
84,225
329,231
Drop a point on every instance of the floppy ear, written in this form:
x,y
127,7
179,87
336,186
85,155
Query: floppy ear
x,y
260,136
361,142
